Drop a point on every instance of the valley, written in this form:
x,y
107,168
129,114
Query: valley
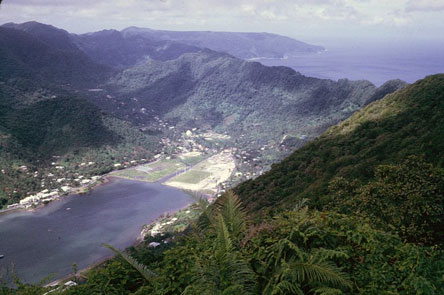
x,y
195,101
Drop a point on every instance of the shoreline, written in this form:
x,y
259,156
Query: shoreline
x,y
75,191
79,272
139,240
104,179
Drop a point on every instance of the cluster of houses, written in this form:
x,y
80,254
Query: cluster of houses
x,y
33,200
47,195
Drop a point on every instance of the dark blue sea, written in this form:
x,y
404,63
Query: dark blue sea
x,y
376,63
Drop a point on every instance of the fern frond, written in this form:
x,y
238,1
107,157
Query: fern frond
x,y
142,269
301,204
223,236
325,272
207,216
286,287
230,207
321,254
326,291
240,272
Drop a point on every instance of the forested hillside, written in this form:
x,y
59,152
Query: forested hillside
x,y
45,119
259,106
407,122
47,55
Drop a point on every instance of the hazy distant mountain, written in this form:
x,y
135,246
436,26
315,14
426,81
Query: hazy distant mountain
x,y
54,37
113,48
109,47
241,45
132,45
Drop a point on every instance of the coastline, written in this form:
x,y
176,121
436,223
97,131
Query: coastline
x,y
145,229
74,191
79,272
139,240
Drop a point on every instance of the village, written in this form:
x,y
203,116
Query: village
x,y
194,160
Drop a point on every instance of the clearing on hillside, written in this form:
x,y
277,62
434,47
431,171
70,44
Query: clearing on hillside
x,y
153,171
207,175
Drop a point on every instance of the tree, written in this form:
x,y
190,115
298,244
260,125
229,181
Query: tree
x,y
407,198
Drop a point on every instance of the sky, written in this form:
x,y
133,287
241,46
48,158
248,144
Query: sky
x,y
314,21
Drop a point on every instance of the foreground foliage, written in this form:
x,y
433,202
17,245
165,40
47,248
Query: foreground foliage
x,y
300,251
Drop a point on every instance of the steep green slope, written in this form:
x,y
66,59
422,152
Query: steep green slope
x,y
46,55
45,122
389,241
407,122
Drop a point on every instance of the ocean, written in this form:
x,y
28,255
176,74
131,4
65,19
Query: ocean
x,y
374,63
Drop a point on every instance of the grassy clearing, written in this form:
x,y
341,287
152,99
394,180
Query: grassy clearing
x,y
191,161
192,176
152,172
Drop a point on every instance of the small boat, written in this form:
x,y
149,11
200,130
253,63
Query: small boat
x,y
1,256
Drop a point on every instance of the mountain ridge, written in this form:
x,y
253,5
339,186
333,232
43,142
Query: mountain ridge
x,y
165,45
243,45
209,88
23,55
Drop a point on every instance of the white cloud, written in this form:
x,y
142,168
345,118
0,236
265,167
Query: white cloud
x,y
425,5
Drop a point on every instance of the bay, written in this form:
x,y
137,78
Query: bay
x,y
50,239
